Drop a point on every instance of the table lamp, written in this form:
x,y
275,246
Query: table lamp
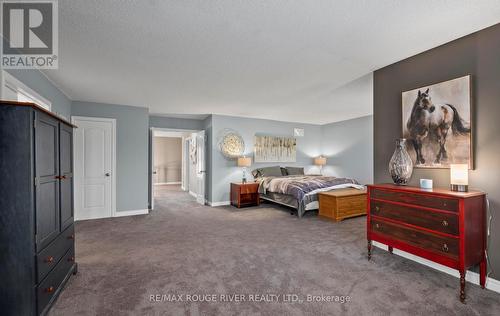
x,y
320,161
244,162
459,177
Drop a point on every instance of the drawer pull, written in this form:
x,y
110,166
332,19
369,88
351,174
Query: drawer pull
x,y
444,223
71,259
49,259
50,289
72,236
377,226
377,208
445,248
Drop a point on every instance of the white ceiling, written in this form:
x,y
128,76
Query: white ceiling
x,y
286,60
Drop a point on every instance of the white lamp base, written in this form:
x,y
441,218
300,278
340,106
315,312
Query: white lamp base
x,y
459,187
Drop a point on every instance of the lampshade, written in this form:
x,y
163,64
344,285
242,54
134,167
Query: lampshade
x,y
459,177
320,161
244,161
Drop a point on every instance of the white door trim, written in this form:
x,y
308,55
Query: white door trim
x,y
151,169
113,154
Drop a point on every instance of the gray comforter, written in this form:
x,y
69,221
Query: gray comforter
x,y
300,186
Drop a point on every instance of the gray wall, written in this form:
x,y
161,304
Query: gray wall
x,y
175,123
348,146
34,79
225,171
478,55
131,150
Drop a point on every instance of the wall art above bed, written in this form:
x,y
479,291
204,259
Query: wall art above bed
x,y
275,149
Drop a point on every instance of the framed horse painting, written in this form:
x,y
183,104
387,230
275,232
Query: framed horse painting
x,y
437,123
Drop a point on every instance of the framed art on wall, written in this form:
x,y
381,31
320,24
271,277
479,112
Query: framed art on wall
x,y
437,123
275,149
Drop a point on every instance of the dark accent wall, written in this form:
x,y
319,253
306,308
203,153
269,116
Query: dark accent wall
x,y
477,54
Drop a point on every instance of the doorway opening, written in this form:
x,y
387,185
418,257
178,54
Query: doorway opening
x,y
177,163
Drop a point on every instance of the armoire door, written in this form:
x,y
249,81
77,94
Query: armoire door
x,y
66,173
47,182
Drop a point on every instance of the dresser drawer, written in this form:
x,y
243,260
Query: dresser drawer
x,y
436,202
438,221
51,284
50,256
446,246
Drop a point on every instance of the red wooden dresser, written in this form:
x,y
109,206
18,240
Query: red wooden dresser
x,y
439,225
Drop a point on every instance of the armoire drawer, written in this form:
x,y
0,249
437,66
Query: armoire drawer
x,y
52,283
50,256
442,222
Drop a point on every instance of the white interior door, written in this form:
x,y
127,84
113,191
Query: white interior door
x,y
94,167
200,167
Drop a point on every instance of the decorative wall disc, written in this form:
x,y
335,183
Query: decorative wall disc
x,y
231,144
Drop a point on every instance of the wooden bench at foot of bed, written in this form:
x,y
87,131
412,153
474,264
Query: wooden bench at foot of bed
x,y
342,203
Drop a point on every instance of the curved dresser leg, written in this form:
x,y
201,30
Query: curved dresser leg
x,y
482,273
462,286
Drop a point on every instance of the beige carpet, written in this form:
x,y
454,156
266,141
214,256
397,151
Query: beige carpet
x,y
187,249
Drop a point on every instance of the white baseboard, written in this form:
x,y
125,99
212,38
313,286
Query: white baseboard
x,y
131,213
215,204
193,194
472,277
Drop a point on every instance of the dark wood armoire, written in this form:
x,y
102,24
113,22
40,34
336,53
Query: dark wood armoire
x,y
37,236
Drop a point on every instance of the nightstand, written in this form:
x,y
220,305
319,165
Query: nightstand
x,y
245,194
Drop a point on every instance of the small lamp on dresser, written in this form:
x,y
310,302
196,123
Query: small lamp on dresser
x,y
459,177
244,162
320,161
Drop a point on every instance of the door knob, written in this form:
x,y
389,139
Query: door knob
x,y
107,174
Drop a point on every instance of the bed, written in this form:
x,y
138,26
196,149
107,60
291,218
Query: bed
x,y
299,191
